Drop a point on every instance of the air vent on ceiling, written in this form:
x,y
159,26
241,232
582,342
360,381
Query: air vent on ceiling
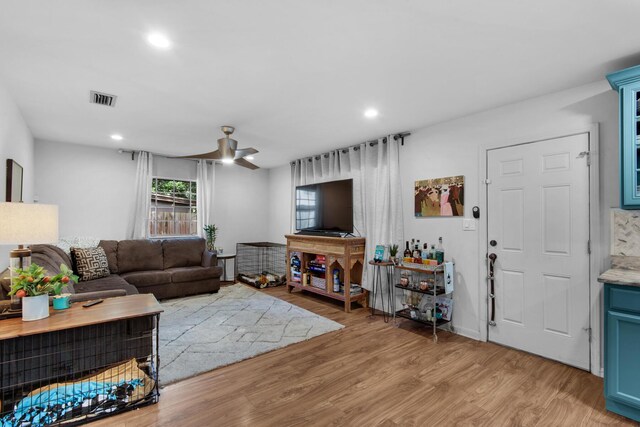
x,y
102,98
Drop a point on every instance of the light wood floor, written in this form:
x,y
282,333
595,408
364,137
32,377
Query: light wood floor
x,y
371,373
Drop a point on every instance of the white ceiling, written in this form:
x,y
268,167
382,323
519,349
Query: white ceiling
x,y
294,76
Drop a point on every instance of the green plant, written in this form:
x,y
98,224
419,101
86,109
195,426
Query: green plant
x,y
211,231
34,281
393,250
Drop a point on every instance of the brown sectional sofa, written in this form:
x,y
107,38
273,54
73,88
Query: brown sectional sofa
x,y
166,268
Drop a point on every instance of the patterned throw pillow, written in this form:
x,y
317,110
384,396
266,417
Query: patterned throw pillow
x,y
90,263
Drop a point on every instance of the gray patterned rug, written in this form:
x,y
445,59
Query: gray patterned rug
x,y
204,332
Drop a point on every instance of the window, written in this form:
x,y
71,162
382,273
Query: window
x,y
173,208
306,206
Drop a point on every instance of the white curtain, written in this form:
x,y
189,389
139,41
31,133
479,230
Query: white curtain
x,y
138,227
205,184
377,195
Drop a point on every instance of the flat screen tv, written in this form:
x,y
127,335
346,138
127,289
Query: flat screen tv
x,y
325,208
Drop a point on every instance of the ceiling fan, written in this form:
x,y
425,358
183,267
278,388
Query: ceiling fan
x,y
228,151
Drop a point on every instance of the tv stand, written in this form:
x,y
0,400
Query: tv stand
x,y
345,254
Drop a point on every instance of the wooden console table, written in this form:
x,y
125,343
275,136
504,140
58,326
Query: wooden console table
x,y
73,345
346,254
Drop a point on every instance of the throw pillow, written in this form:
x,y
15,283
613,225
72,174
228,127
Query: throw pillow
x,y
90,263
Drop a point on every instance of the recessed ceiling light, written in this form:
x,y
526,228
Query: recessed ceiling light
x,y
159,40
227,161
371,113
117,137
249,157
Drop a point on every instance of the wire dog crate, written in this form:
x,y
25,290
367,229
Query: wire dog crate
x,y
261,264
72,376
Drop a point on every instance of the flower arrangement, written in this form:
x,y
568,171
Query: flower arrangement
x,y
34,281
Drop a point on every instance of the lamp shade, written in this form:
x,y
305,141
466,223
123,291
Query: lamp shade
x,y
25,223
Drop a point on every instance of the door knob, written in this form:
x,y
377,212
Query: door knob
x,y
493,257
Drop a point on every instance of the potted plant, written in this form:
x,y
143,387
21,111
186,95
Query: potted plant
x,y
211,232
393,252
34,286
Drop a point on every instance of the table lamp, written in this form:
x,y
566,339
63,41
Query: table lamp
x,y
25,223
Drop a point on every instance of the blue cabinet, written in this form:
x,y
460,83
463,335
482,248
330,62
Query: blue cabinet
x,y
627,83
622,350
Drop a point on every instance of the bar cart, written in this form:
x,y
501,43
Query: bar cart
x,y
426,292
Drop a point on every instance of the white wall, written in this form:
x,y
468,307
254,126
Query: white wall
x,y
16,143
95,192
93,188
452,148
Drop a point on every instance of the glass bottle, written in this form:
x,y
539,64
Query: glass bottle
x,y
425,251
407,251
440,252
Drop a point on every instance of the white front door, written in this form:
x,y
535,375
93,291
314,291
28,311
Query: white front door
x,y
538,219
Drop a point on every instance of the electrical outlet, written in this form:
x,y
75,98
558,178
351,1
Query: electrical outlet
x,y
468,224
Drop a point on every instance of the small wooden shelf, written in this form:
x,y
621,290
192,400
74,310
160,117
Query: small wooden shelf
x,y
343,254
420,268
334,295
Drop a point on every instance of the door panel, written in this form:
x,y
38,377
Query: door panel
x,y
513,296
538,212
512,206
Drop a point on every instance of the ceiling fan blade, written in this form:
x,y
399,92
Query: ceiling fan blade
x,y
245,163
214,155
243,152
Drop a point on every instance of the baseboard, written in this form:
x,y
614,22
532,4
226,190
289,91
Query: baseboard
x,y
469,333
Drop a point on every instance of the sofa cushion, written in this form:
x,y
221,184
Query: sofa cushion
x,y
50,257
147,278
111,249
192,274
139,255
91,263
110,282
182,252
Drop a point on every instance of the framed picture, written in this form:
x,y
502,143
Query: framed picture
x,y
14,181
439,197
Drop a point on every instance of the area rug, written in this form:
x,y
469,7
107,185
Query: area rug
x,y
201,333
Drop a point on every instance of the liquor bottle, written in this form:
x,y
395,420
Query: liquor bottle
x,y
413,245
416,252
440,252
407,251
425,252
432,252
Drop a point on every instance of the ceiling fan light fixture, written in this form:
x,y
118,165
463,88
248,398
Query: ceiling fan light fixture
x,y
227,160
249,157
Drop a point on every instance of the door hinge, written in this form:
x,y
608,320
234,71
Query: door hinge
x,y
587,154
589,246
588,330
487,181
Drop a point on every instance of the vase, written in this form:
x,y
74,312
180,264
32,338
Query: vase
x,y
35,308
61,303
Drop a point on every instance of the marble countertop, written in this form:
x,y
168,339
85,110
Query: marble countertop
x,y
620,276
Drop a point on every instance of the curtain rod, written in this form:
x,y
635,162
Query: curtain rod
x,y
398,136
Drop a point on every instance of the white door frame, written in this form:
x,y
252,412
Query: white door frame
x,y
596,260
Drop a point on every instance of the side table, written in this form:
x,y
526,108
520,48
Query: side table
x,y
377,288
224,257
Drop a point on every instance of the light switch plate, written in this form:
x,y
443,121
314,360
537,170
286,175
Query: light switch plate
x,y
468,224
